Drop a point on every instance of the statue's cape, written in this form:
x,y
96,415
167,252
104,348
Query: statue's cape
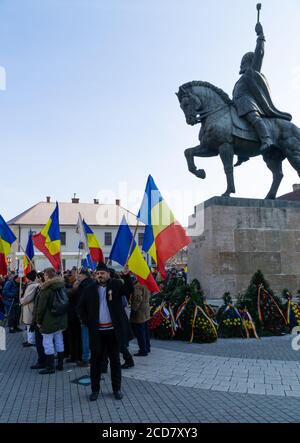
x,y
259,88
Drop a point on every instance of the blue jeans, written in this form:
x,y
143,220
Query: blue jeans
x,y
147,336
85,343
141,331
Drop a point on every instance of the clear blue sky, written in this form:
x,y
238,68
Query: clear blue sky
x,y
89,100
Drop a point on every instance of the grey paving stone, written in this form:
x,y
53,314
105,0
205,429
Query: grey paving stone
x,y
149,398
256,391
292,394
238,389
224,388
292,388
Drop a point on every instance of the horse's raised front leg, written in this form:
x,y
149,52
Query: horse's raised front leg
x,y
275,165
198,151
226,153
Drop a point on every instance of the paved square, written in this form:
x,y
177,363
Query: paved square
x,y
231,380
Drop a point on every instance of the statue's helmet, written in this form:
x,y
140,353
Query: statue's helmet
x,y
246,61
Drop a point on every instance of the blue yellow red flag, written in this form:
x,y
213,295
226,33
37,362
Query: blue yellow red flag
x,y
95,249
126,251
7,237
48,240
29,254
164,235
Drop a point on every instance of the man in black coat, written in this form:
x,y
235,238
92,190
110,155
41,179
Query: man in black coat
x,y
84,280
101,309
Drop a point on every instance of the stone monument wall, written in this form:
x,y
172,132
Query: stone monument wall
x,y
233,237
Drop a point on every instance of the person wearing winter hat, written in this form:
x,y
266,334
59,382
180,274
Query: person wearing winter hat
x,y
101,310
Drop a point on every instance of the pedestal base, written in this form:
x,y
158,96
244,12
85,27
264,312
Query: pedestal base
x,y
234,237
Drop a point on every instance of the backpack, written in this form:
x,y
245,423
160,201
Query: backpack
x,y
60,302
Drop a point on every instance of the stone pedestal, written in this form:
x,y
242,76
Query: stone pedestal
x,y
234,237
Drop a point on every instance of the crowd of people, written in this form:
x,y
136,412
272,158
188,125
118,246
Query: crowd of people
x,y
80,317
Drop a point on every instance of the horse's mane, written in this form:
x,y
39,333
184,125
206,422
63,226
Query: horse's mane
x,y
208,85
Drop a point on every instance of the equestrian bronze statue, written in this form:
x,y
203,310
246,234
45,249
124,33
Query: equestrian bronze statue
x,y
247,126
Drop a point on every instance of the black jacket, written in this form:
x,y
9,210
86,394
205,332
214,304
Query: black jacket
x,y
83,285
88,309
74,295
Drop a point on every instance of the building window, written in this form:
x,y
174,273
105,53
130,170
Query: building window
x,y
63,264
108,238
63,238
141,238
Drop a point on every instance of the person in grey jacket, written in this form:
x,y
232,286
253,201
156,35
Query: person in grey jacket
x,y
27,302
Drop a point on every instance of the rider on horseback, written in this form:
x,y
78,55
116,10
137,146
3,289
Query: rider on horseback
x,y
251,94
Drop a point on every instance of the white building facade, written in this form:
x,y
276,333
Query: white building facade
x,y
103,219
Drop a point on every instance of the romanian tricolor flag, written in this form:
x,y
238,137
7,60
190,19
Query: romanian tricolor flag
x,y
164,236
7,237
126,251
29,254
96,253
48,240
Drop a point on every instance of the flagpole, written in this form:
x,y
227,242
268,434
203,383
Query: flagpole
x,y
78,257
31,262
20,288
132,242
83,243
20,275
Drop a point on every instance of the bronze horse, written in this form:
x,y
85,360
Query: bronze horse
x,y
204,103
